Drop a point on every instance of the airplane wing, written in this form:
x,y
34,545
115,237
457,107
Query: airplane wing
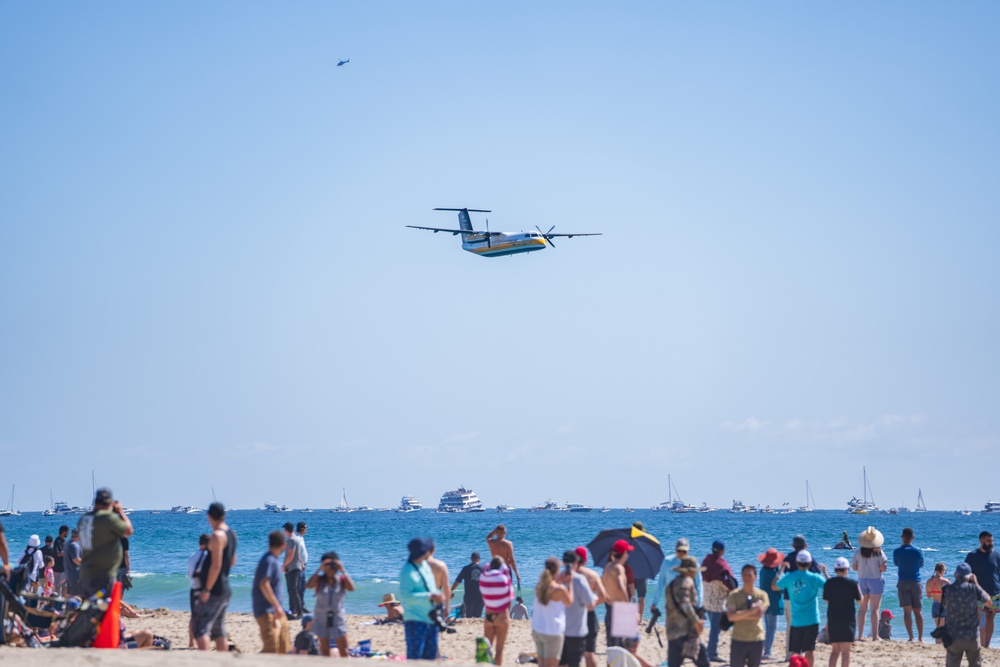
x,y
572,235
462,231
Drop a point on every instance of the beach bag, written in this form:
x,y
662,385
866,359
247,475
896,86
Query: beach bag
x,y
81,629
729,580
484,652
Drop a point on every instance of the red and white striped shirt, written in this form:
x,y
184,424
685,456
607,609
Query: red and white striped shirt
x,y
497,591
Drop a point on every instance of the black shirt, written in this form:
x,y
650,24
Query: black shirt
x,y
59,546
841,593
48,551
124,552
469,576
222,582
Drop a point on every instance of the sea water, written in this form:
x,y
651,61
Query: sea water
x,y
372,545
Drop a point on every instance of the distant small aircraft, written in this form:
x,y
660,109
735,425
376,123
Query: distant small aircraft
x,y
497,244
343,62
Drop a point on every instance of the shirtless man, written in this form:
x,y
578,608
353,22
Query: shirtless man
x,y
504,548
441,579
593,626
616,590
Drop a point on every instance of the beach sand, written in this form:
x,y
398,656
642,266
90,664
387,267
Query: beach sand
x,y
459,647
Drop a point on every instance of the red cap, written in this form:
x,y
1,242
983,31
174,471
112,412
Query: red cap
x,y
887,613
621,546
582,553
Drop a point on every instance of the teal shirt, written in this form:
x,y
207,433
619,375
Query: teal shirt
x,y
803,589
416,585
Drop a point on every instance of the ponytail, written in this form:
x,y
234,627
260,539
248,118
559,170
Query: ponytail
x,y
543,590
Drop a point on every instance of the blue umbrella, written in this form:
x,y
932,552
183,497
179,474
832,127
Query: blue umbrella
x,y
645,560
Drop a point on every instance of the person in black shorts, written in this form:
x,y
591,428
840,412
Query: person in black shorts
x,y
840,594
472,600
210,610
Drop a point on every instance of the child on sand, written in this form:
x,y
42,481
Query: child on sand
x,y
50,577
885,625
933,587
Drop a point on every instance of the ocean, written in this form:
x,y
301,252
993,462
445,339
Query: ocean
x,y
372,545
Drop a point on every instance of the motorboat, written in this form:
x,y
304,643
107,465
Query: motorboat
x,y
548,506
504,507
460,500
409,504
705,508
964,512
281,509
603,510
865,505
785,509
577,507
629,510
991,507
739,508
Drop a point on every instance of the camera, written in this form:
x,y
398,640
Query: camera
x,y
329,619
437,618
654,614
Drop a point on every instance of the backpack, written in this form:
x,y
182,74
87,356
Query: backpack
x,y
28,557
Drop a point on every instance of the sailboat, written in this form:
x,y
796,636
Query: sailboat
x,y
920,502
10,511
810,505
675,505
863,506
344,507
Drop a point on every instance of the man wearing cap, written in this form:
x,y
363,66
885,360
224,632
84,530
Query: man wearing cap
x,y
616,590
798,544
719,580
668,572
770,564
593,625
985,564
472,598
960,603
420,596
909,560
683,623
803,588
584,600
840,594
101,530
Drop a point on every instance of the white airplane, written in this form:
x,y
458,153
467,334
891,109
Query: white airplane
x,y
496,244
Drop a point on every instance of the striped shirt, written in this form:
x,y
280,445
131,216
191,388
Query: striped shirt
x,y
497,590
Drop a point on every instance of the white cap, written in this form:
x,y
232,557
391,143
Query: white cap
x,y
803,557
842,564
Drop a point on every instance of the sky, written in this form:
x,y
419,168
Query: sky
x,y
206,280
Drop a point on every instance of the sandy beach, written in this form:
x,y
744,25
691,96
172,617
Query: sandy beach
x,y
458,648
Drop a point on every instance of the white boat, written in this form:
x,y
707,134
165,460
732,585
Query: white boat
x,y
767,510
739,508
902,509
674,504
9,510
281,509
364,508
864,505
629,510
409,504
307,511
810,505
964,512
604,510
343,508
920,502
991,507
705,508
785,509
504,507
460,500
577,507
548,506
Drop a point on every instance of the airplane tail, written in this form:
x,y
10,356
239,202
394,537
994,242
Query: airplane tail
x,y
464,221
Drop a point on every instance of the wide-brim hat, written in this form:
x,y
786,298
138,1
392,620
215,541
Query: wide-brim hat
x,y
688,564
872,538
771,558
388,599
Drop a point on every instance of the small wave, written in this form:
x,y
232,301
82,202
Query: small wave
x,y
376,580
140,575
965,551
827,548
928,549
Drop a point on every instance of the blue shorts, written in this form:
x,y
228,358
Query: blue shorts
x,y
871,586
936,611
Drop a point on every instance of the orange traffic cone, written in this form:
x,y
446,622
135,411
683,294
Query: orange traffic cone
x,y
109,634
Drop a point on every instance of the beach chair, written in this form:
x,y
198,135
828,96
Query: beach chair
x,y
620,657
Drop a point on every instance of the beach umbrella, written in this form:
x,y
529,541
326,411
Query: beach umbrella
x,y
646,558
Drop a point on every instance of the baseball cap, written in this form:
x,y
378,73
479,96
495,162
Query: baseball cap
x,y
306,619
718,545
962,571
582,553
73,604
418,546
570,557
887,614
803,557
842,564
621,546
682,545
103,496
799,542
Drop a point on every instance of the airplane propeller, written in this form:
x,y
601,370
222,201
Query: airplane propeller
x,y
545,235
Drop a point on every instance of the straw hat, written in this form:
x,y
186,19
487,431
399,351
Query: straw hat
x,y
388,599
871,538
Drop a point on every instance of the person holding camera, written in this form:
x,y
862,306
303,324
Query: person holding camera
x,y
424,602
960,602
684,622
101,531
331,583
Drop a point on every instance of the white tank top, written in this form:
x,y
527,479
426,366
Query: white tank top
x,y
549,619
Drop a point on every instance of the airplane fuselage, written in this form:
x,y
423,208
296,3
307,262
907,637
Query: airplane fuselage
x,y
503,244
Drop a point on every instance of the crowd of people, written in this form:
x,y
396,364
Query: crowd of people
x,y
695,595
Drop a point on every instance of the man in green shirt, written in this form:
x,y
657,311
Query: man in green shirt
x,y
101,531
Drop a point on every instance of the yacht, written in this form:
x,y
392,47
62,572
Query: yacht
x,y
739,508
548,506
409,504
920,502
705,508
364,508
629,510
964,512
577,507
864,505
10,511
810,505
672,504
307,511
991,507
785,509
504,507
604,510
460,500
281,509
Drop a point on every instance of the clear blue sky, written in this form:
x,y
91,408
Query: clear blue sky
x,y
205,277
